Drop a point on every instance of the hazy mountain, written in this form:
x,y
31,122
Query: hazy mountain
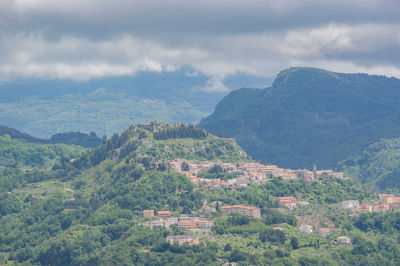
x,y
107,105
310,116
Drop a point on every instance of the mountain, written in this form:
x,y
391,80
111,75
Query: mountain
x,y
107,105
310,116
378,165
16,134
76,138
98,208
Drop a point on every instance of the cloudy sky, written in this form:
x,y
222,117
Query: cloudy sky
x,y
84,39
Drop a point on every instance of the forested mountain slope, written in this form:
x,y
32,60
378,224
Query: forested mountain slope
x,y
310,116
88,210
378,165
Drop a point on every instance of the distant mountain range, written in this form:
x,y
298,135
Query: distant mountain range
x,y
76,138
310,116
42,108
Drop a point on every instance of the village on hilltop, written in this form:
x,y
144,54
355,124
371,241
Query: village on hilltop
x,y
247,172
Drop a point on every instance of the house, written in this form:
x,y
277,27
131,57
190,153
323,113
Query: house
x,y
350,204
386,198
163,214
381,207
343,241
277,228
159,222
148,213
324,231
394,205
306,228
204,224
364,207
250,211
289,202
182,240
188,224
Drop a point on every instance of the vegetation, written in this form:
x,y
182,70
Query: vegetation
x,y
309,116
378,165
89,211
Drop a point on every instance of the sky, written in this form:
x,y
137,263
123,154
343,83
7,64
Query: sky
x,y
85,39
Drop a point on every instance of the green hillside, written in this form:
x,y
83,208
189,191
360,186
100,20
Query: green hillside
x,y
378,165
88,211
310,116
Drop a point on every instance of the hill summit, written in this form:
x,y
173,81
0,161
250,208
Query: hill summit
x,y
309,116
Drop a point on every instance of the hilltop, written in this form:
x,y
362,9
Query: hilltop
x,y
309,116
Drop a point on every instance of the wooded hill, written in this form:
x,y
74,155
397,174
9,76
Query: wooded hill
x,y
310,116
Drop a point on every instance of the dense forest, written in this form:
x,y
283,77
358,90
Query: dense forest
x,y
87,210
378,165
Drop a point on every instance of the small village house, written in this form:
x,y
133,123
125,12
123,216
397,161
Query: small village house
x,y
182,240
381,207
163,214
364,207
148,213
306,228
343,241
324,231
350,204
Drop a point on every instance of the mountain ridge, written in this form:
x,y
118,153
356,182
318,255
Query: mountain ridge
x,y
306,114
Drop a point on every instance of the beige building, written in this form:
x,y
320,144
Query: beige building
x,y
148,213
182,240
343,241
250,211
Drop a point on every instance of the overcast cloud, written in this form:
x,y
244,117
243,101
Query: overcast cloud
x,y
83,39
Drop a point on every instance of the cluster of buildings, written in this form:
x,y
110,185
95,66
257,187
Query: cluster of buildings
x,y
387,202
250,211
184,221
248,172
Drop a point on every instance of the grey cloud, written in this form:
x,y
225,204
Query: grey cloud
x,y
94,38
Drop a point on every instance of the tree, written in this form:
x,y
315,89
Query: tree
x,y
294,242
227,247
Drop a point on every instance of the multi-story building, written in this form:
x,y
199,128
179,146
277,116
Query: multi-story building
x,y
250,211
163,214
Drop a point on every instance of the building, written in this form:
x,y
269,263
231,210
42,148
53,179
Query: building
x,y
324,231
381,207
343,241
289,202
182,240
350,204
148,213
306,228
250,211
188,224
159,222
364,207
394,205
386,198
163,214
204,224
